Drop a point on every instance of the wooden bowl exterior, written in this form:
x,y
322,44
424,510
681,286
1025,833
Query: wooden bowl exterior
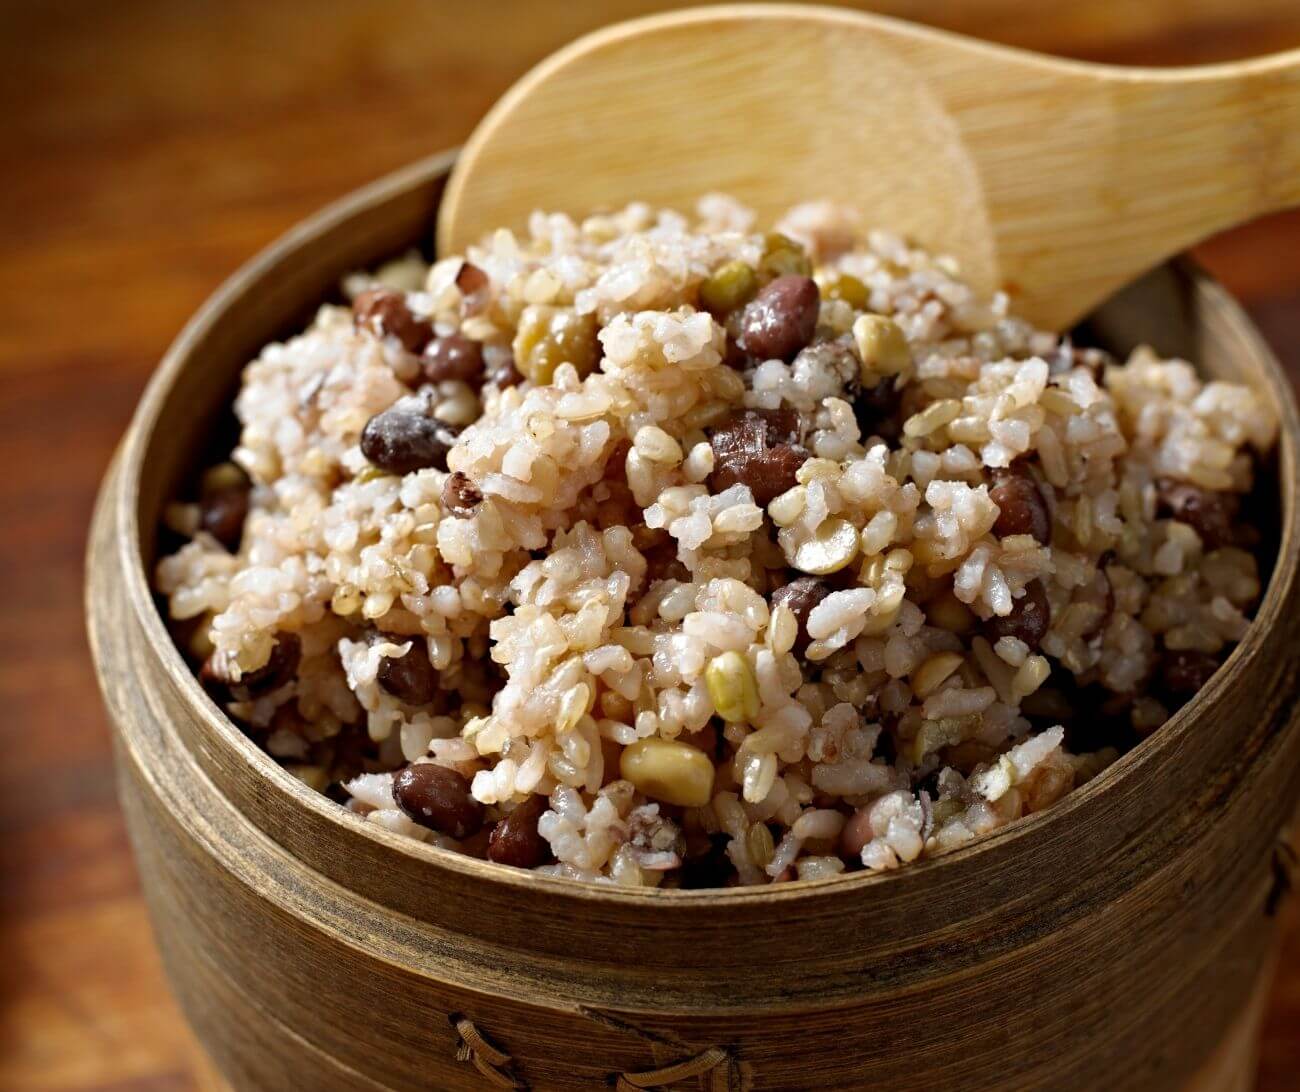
x,y
1110,943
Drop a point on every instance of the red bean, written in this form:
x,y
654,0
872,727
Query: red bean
x,y
515,839
473,283
280,668
1022,509
758,450
1212,515
410,678
1029,620
224,495
453,357
801,595
223,514
781,319
438,798
460,496
282,665
856,834
383,311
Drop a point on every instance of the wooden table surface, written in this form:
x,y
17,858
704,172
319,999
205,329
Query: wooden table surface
x,y
149,147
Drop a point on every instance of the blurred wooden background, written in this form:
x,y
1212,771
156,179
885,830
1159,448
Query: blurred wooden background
x,y
149,147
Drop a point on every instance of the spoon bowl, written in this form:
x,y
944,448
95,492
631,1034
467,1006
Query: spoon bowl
x,y
1057,181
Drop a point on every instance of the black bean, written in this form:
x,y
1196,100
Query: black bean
x,y
410,678
1211,515
1022,509
438,798
453,357
801,595
515,839
760,450
1029,620
401,441
1185,671
460,496
781,319
383,311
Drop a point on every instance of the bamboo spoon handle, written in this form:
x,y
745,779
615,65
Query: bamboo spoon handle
x,y
1271,140
1179,155
1057,180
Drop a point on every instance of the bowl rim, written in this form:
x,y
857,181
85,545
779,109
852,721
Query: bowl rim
x,y
222,732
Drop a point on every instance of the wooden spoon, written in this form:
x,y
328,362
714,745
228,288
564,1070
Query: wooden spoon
x,y
1057,180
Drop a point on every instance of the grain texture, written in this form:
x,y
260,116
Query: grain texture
x,y
1059,953
154,159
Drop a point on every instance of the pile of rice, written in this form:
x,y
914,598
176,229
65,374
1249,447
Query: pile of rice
x,y
624,476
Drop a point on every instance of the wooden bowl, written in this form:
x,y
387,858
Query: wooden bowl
x,y
1108,943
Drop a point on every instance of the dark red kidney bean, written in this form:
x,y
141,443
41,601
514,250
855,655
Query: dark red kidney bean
x,y
410,678
515,839
402,441
801,595
438,798
1185,671
757,450
223,515
1029,620
383,311
453,357
781,319
1211,515
1022,509
460,496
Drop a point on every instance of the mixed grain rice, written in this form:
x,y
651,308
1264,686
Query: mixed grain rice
x,y
674,566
